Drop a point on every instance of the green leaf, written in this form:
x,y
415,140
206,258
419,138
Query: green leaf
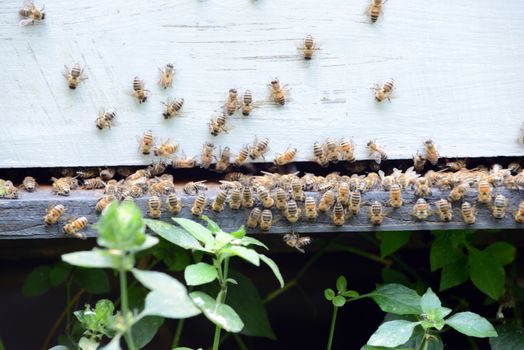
x,y
37,282
59,347
136,296
149,242
339,301
173,234
393,333
247,254
159,281
397,299
510,337
144,330
174,257
220,314
92,258
273,266
471,324
121,227
350,294
445,250
88,344
390,275
342,284
94,281
390,242
454,273
240,233
329,294
196,230
169,305
247,241
502,252
485,274
59,273
200,273
432,306
211,225
221,239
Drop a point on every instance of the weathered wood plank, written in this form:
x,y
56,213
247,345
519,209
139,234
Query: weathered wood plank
x,y
22,218
458,65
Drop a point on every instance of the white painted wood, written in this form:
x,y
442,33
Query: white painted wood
x,y
459,68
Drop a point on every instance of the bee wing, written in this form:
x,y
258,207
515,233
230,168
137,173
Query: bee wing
x,y
26,22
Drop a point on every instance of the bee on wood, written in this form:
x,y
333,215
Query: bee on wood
x,y
74,75
165,149
310,208
456,165
198,205
468,212
343,193
218,203
278,92
174,205
75,226
103,203
286,157
421,210
375,213
326,201
338,215
377,153
395,196
231,104
166,75
320,157
431,152
308,47
246,105
484,192
154,207
281,199
266,220
331,151
347,150
107,174
355,201
224,160
519,213
53,214
87,173
292,211
259,149
172,107
374,10
61,186
146,144
94,183
254,218
9,190
235,199
32,13
247,197
296,190
139,91
419,162
29,184
514,168
295,241
207,155
265,197
384,92
422,187
444,210
241,157
218,125
184,162
193,188
458,192
499,206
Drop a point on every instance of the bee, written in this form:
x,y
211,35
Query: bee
x,y
9,190
138,90
372,181
111,188
218,203
500,204
154,207
224,161
292,211
484,192
75,226
421,209
456,165
254,218
103,203
286,157
296,190
355,200
295,241
247,197
278,91
218,125
326,201
343,193
172,107
308,47
468,212
107,174
74,75
265,197
146,143
384,92
241,157
266,220
375,9
444,210
320,157
61,186
347,150
458,192
514,168
32,13
376,152
231,104
198,205
395,196
94,183
87,173
193,188
53,214
207,155
338,216
247,103
431,152
419,162
519,213
166,75
375,213
29,184
260,147
165,149
422,187
174,205
331,151
184,162
281,199
235,200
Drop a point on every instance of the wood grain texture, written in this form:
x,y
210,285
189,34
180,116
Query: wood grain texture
x,y
22,218
459,68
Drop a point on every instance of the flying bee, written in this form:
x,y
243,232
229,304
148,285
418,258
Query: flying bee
x,y
308,47
347,150
103,203
198,205
218,203
193,188
246,105
74,75
218,125
32,13
165,149
292,212
468,212
254,218
421,209
184,162
107,173
231,104
29,184
355,201
235,199
519,213
419,162
338,215
286,157
431,152
384,92
376,152
395,196
458,192
278,92
259,149
326,201
247,197
172,107
94,183
166,75
53,214
61,186
266,220
241,157
444,210
174,205
374,10
375,213
265,197
500,204
331,151
223,161
422,187
139,92
281,199
320,157
484,192
295,241
75,226
146,144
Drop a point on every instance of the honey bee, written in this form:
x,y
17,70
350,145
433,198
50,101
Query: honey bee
x,y
74,75
193,188
174,205
375,9
286,157
500,204
458,192
254,217
519,213
266,220
87,173
395,196
61,186
308,47
384,92
218,203
281,199
355,200
421,209
278,91
9,190
231,104
514,168
165,149
218,125
32,13
296,190
207,155
468,213
265,197
292,211
259,149
310,208
338,216
75,226
419,162
166,75
224,161
422,187
172,107
247,197
444,210
29,184
198,205
94,183
53,214
235,200
331,151
146,143
247,103
320,157
103,203
184,162
375,213
343,193
107,174
372,181
295,241
456,165
347,150
241,157
431,152
376,152
139,92
326,201
484,192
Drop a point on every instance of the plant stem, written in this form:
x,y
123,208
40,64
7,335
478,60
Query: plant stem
x,y
68,305
125,308
363,254
178,333
221,298
472,343
240,342
332,328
